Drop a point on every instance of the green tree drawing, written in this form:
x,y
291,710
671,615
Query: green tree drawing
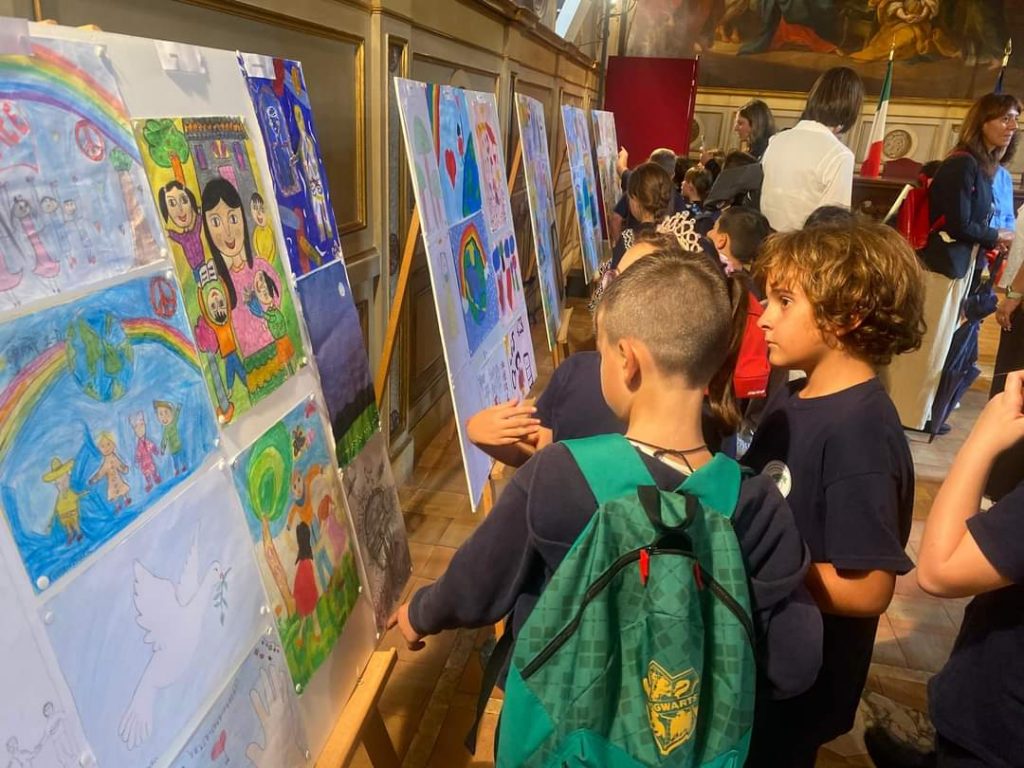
x,y
167,145
142,237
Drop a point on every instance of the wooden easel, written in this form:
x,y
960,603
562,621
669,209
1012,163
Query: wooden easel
x,y
360,721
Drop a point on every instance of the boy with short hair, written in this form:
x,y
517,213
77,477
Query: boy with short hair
x,y
842,300
653,375
737,235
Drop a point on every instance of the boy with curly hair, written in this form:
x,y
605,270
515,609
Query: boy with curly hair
x,y
842,300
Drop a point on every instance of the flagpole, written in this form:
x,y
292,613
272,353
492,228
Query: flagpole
x,y
1007,52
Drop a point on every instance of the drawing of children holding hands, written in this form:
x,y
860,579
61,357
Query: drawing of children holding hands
x,y
180,212
113,469
305,587
262,235
167,414
66,508
265,302
145,451
216,337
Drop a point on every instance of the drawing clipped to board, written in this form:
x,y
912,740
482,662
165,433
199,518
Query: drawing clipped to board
x,y
299,531
144,634
606,145
380,528
584,187
281,101
471,250
37,727
102,411
255,721
71,211
540,193
234,283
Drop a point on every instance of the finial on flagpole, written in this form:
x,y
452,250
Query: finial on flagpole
x,y
1007,51
892,48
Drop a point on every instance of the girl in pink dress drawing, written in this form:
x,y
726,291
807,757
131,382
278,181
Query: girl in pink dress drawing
x,y
227,234
146,451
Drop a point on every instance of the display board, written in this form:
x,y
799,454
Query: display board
x,y
584,187
158,417
453,143
539,192
606,148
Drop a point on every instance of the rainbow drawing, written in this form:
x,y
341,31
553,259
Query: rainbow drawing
x,y
46,77
20,399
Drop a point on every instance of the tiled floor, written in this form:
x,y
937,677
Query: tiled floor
x,y
430,701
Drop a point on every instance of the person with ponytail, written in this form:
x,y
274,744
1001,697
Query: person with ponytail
x,y
657,361
843,299
650,193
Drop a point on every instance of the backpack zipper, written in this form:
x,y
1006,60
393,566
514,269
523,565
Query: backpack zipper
x,y
602,582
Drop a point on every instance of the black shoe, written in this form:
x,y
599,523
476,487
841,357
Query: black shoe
x,y
887,752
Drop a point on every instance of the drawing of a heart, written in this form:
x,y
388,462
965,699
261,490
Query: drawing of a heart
x,y
218,748
449,165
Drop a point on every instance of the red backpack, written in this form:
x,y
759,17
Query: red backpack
x,y
750,380
913,220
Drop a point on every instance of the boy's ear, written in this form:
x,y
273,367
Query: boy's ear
x,y
630,360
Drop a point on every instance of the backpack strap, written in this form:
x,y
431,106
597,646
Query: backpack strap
x,y
610,465
716,485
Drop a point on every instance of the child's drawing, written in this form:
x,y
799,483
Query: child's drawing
x,y
495,379
456,152
483,112
380,529
476,280
337,340
79,451
519,353
584,187
255,721
300,182
422,156
537,169
606,145
72,210
35,729
234,285
507,276
145,635
295,513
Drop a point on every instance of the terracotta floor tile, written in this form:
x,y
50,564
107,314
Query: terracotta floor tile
x,y
457,533
926,649
887,649
424,529
910,613
437,564
420,553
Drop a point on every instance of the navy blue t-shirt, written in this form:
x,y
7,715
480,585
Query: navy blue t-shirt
x,y
572,404
844,464
504,566
977,700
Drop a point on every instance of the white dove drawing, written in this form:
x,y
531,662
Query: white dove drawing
x,y
172,615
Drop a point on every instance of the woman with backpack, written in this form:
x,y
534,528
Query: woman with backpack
x,y
960,208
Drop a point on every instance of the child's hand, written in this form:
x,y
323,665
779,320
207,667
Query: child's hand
x,y
1001,423
400,619
503,424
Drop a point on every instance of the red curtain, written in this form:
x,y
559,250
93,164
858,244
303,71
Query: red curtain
x,y
653,101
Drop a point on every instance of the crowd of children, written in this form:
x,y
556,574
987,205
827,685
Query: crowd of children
x,y
821,510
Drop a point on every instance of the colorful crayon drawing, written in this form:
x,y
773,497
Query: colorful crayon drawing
x,y
337,340
474,261
423,158
293,151
72,209
584,187
144,635
296,517
380,528
37,727
495,379
606,145
519,353
255,721
102,412
236,290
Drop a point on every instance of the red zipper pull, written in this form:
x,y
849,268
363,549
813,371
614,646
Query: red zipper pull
x,y
645,566
698,577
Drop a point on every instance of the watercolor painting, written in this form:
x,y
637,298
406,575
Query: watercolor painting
x,y
203,177
296,517
255,720
423,157
38,727
584,187
73,209
145,635
293,151
475,268
540,194
519,353
606,145
103,411
337,340
380,527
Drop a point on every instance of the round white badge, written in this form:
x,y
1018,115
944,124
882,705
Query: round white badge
x,y
780,475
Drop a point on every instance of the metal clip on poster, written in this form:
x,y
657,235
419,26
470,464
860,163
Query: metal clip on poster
x,y
180,57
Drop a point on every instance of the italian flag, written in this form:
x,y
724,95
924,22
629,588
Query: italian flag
x,y
872,166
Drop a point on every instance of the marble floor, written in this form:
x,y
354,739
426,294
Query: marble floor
x,y
430,701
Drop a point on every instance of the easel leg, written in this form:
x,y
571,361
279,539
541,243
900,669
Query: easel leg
x,y
377,742
397,302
